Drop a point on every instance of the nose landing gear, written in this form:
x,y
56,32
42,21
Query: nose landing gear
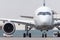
x,y
44,34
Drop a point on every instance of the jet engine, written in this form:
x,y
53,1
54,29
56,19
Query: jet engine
x,y
9,28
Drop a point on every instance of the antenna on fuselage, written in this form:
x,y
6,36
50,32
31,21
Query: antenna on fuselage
x,y
43,2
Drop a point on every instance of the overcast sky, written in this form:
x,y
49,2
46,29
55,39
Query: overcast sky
x,y
15,8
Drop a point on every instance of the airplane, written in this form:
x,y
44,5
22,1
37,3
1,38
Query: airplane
x,y
43,19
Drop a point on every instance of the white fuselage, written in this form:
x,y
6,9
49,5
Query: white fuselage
x,y
44,18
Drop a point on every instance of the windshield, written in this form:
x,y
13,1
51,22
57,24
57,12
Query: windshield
x,y
44,13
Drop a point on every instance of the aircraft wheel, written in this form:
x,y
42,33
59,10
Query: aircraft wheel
x,y
30,35
24,35
45,35
58,34
42,35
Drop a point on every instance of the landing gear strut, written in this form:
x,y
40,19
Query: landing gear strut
x,y
27,34
44,34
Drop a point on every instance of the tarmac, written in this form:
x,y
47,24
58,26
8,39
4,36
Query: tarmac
x,y
27,38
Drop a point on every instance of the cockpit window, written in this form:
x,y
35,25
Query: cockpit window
x,y
44,13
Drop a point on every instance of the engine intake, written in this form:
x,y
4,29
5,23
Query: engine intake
x,y
9,28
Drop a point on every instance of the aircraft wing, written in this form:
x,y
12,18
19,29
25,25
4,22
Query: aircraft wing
x,y
27,17
29,22
57,22
56,18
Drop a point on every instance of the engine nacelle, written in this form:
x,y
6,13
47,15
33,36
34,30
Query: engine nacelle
x,y
9,28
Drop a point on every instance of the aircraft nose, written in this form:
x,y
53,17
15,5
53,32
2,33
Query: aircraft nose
x,y
44,20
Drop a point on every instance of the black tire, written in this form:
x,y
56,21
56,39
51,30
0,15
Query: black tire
x,y
24,35
42,35
58,34
45,35
30,35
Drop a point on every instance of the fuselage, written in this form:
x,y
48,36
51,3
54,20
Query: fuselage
x,y
44,18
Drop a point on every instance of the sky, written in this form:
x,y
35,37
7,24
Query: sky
x,y
13,9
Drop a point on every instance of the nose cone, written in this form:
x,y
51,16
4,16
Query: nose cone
x,y
45,20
